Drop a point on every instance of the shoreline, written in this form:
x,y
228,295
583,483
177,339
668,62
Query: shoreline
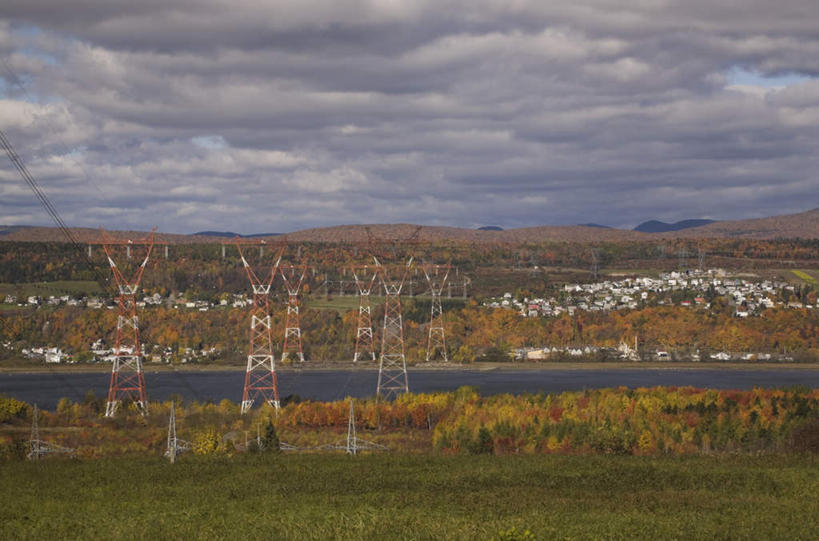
x,y
445,367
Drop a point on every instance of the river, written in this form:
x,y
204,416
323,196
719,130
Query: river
x,y
46,388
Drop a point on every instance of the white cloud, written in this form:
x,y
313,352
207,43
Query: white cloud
x,y
275,116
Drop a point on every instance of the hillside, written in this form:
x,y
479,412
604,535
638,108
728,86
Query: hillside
x,y
656,226
801,225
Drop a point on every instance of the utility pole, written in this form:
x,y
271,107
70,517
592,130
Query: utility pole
x,y
127,377
436,276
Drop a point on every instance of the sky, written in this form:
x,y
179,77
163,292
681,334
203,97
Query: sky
x,y
268,116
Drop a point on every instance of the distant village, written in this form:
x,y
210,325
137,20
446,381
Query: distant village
x,y
690,289
232,300
694,289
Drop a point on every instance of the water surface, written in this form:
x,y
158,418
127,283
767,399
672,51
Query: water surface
x,y
47,388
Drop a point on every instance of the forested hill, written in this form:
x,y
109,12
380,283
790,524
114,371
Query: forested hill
x,y
804,225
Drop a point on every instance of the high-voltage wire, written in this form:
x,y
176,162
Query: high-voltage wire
x,y
46,203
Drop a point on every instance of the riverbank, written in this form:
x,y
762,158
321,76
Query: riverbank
x,y
311,366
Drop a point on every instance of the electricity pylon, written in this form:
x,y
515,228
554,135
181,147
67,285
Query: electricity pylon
x,y
175,445
392,369
436,276
39,448
352,441
172,447
260,376
293,276
127,377
365,277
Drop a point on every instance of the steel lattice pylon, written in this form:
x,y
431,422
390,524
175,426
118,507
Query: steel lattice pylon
x,y
127,377
392,369
293,276
260,376
365,276
39,448
436,276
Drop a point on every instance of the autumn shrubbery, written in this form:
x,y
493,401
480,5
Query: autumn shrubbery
x,y
622,421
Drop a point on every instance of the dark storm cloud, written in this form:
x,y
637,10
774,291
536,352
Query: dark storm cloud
x,y
260,116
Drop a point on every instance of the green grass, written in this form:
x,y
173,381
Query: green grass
x,y
46,289
412,497
804,276
341,304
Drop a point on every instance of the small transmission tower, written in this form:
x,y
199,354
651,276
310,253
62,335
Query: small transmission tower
x,y
127,377
39,448
682,255
700,259
260,377
364,276
354,444
175,445
293,276
352,441
436,276
173,449
595,266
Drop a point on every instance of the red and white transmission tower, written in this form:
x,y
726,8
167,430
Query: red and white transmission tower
x,y
436,277
365,277
260,377
127,377
293,276
392,369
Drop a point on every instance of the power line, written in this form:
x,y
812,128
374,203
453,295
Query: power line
x,y
46,203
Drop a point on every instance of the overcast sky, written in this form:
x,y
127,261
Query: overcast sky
x,y
264,116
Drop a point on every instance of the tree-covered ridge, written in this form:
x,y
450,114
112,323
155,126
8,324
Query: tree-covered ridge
x,y
472,331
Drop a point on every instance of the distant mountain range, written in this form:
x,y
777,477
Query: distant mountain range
x,y
233,235
802,225
490,228
596,225
656,226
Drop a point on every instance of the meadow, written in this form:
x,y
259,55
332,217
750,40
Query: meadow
x,y
412,497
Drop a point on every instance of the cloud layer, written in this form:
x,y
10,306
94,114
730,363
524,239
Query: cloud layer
x,y
275,116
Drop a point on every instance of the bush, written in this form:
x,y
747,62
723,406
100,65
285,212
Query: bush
x,y
11,408
805,437
483,443
270,440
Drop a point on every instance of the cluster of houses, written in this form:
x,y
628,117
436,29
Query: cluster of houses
x,y
234,300
692,288
154,354
627,352
47,354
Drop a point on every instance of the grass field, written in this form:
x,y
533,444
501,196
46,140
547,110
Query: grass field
x,y
46,289
341,304
807,278
412,497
